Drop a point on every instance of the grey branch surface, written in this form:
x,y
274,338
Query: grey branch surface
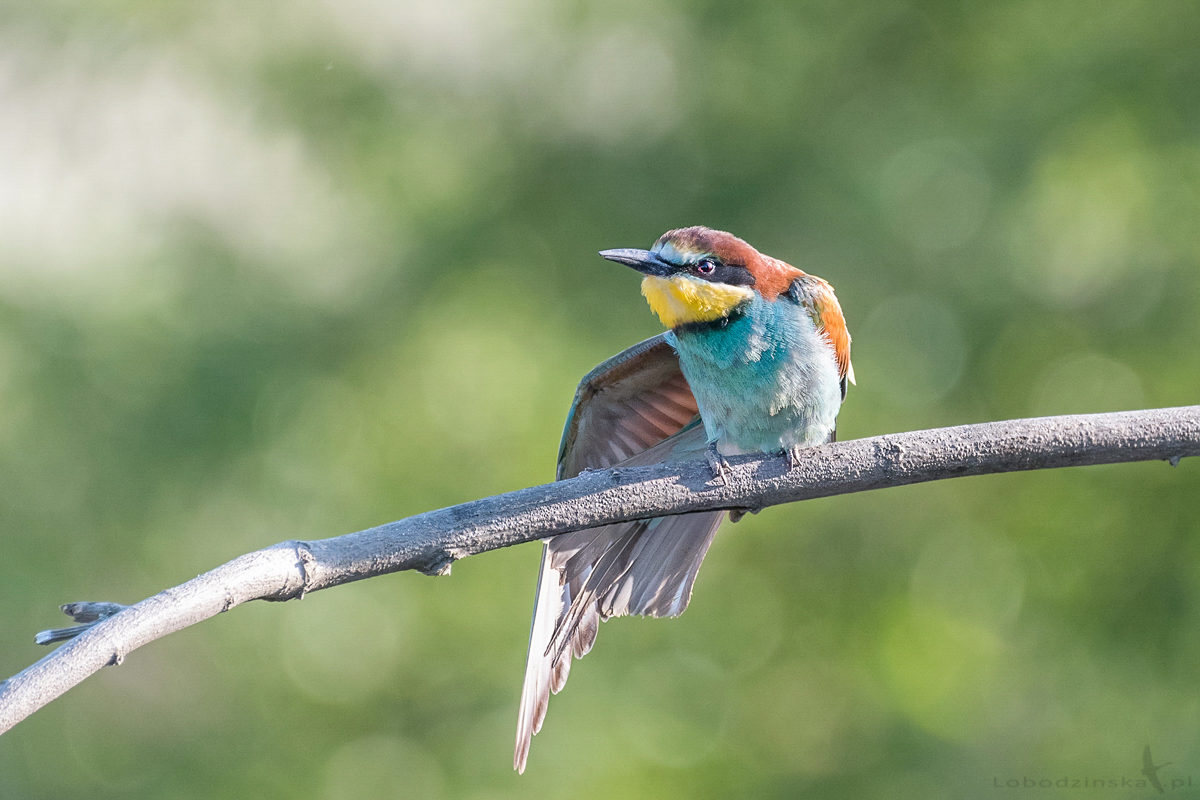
x,y
430,542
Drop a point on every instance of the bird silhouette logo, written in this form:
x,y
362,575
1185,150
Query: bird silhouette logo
x,y
1150,770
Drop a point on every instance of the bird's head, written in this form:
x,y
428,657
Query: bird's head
x,y
697,275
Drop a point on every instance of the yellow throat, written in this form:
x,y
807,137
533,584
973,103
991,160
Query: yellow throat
x,y
680,299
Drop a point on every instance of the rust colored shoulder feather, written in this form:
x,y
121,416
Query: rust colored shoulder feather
x,y
816,295
773,277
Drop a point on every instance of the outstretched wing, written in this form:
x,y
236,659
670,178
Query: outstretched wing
x,y
626,405
635,408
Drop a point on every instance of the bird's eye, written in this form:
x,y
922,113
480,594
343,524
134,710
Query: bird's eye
x,y
706,267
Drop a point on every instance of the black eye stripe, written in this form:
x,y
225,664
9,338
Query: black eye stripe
x,y
715,271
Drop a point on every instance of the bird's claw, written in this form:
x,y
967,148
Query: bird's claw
x,y
792,454
718,465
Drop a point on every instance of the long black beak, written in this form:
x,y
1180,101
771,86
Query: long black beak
x,y
641,260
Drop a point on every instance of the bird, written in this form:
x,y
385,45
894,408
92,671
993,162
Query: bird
x,y
1150,770
755,359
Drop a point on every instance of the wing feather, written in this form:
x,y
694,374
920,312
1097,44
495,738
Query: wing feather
x,y
647,375
817,297
636,408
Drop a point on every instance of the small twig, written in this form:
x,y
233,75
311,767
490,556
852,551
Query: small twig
x,y
88,613
432,541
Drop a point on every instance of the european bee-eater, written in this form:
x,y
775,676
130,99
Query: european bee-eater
x,y
759,351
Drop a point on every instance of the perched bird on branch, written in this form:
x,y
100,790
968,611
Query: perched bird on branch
x,y
756,360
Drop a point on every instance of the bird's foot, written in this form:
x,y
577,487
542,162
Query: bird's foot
x,y
718,465
792,454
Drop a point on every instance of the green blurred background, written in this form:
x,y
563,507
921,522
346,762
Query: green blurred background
x,y
293,269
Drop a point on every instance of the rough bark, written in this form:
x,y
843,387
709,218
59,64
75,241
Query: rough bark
x,y
432,541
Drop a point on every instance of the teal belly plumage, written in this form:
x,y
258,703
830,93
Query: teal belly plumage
x,y
765,379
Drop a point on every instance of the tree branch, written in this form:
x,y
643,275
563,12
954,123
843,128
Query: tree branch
x,y
430,542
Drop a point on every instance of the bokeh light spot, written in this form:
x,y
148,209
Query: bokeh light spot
x,y
1086,383
344,648
939,667
1079,231
679,708
382,766
912,349
935,194
972,574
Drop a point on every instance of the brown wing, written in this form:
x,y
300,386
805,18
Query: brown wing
x,y
635,408
629,403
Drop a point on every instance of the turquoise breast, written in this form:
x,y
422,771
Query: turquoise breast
x,y
765,379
